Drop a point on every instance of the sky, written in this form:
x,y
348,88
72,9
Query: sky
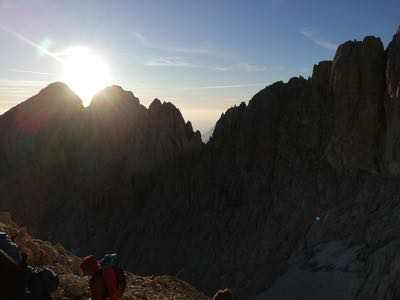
x,y
204,56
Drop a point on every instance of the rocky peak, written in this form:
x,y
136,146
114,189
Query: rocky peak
x,y
56,87
165,114
56,94
373,42
155,105
114,113
356,90
165,110
54,103
189,129
114,97
190,133
229,123
321,72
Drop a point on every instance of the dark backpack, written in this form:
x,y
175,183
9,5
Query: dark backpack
x,y
42,282
112,261
50,280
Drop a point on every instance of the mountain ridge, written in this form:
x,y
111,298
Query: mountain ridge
x,y
306,168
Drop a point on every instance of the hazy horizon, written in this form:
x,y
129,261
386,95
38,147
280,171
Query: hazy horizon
x,y
204,57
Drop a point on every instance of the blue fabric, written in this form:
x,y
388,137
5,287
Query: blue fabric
x,y
108,261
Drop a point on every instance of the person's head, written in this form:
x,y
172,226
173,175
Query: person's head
x,y
90,265
225,294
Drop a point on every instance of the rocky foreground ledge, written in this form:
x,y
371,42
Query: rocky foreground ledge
x,y
75,286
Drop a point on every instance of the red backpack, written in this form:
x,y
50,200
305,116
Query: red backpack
x,y
111,261
121,278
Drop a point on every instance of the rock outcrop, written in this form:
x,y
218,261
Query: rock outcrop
x,y
302,179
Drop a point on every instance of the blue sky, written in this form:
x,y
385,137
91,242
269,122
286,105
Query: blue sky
x,y
204,56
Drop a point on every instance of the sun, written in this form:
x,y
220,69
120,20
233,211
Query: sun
x,y
84,72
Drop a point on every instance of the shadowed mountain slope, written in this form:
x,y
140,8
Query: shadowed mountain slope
x,y
307,168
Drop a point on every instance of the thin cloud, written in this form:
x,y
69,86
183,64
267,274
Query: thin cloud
x,y
227,86
153,45
31,72
179,62
316,39
171,62
243,67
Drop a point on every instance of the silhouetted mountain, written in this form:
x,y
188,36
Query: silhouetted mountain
x,y
67,157
299,186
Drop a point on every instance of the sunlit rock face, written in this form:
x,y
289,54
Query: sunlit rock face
x,y
305,175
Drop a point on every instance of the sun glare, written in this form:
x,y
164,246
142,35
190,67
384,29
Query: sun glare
x,y
84,72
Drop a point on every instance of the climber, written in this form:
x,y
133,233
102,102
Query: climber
x,y
41,282
20,281
225,294
10,276
12,269
104,281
